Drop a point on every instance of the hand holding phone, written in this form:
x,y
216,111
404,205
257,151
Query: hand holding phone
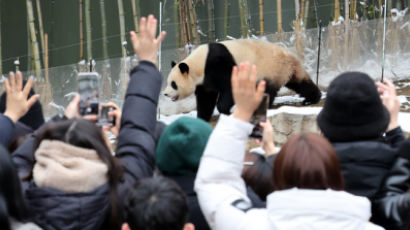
x,y
259,116
88,88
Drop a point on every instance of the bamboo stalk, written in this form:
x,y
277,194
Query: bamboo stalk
x,y
187,24
88,29
279,15
123,75
104,30
226,18
46,57
29,48
40,25
244,26
194,26
1,60
135,15
81,30
297,8
337,10
346,35
211,21
261,22
306,15
302,10
33,39
178,25
184,38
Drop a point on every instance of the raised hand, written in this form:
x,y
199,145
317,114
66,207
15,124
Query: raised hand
x,y
391,101
267,140
247,97
17,104
145,44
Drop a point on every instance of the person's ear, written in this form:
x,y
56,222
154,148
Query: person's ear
x,y
189,226
125,226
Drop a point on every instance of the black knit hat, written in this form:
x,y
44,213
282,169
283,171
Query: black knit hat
x,y
34,117
353,109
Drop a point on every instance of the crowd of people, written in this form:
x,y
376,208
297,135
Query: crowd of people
x,y
63,174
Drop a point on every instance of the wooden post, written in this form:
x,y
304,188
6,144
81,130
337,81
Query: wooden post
x,y
135,14
261,22
81,30
40,26
226,18
88,28
33,38
194,26
211,21
279,15
104,30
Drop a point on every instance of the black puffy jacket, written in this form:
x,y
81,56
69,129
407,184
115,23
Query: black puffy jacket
x,y
365,164
54,209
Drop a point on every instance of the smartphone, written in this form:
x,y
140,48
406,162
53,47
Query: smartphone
x,y
103,118
259,116
88,88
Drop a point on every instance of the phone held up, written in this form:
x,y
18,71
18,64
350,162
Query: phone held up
x,y
88,88
259,116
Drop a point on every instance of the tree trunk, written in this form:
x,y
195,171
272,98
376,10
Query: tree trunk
x,y
261,22
244,25
226,18
34,43
80,10
135,14
337,11
40,25
194,26
104,30
88,28
279,15
211,21
124,73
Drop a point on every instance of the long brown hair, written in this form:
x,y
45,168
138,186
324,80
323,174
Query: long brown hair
x,y
308,161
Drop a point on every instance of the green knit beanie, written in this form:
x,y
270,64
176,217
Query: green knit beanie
x,y
181,146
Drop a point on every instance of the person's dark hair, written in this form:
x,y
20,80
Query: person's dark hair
x,y
11,198
156,203
258,175
85,134
307,161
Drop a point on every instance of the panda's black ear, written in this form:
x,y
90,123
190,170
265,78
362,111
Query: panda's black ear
x,y
173,63
183,67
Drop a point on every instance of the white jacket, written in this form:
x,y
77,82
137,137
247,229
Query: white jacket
x,y
222,193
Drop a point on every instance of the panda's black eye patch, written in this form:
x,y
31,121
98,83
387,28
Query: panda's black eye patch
x,y
174,85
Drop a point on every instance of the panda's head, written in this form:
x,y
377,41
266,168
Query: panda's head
x,y
179,84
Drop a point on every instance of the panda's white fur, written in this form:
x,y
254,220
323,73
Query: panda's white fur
x,y
273,62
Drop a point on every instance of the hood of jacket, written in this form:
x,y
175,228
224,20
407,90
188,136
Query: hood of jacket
x,y
317,209
57,210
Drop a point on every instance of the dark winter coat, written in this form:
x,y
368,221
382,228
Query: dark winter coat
x,y
7,129
392,209
365,164
135,151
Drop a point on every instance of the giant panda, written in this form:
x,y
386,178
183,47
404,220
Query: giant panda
x,y
207,73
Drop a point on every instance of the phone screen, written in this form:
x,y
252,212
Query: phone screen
x,y
88,90
259,116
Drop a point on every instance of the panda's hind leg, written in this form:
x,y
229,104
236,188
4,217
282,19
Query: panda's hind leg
x,y
205,102
271,89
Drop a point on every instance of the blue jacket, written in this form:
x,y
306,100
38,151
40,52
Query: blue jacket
x,y
135,152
